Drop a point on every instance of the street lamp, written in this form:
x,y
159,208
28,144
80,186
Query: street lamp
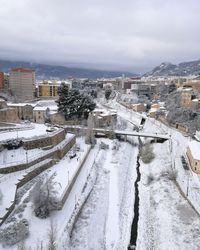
x,y
187,190
27,157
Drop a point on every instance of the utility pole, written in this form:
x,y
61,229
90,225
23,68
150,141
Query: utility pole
x,y
27,158
187,190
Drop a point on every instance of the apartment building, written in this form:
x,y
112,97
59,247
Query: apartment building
x,y
1,80
21,83
49,88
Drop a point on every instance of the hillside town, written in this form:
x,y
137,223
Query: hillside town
x,y
93,162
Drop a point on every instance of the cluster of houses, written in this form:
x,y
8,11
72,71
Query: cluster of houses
x,y
47,111
139,92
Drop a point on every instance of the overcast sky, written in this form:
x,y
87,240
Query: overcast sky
x,y
133,35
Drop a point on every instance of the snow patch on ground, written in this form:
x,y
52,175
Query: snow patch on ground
x,y
105,220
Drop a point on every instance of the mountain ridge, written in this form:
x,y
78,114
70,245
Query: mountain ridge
x,y
181,69
46,71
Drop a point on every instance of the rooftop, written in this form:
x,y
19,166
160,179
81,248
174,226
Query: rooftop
x,y
195,149
23,70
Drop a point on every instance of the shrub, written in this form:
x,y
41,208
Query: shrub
x,y
44,197
146,153
14,233
150,179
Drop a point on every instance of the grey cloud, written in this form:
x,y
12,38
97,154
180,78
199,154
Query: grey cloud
x,y
116,34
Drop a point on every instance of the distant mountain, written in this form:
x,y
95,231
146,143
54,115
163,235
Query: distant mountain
x,y
44,71
182,69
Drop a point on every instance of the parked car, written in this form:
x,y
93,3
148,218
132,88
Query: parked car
x,y
50,129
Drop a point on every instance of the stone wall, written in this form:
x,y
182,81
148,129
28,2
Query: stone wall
x,y
57,153
23,181
69,188
35,172
45,141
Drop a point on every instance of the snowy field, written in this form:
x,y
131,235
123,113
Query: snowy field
x,y
105,219
20,155
169,206
34,130
167,220
64,170
98,212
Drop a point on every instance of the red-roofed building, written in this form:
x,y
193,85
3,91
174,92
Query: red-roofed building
x,y
22,81
1,80
22,70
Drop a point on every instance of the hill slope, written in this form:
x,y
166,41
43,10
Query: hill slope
x,y
182,69
44,71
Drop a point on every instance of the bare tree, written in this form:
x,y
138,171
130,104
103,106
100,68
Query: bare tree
x,y
52,236
44,197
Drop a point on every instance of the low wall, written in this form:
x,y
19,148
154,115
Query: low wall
x,y
45,141
32,174
57,153
69,188
22,182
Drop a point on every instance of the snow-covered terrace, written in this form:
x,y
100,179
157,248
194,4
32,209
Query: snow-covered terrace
x,y
20,155
33,131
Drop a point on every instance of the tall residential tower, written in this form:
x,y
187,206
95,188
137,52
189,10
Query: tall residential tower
x,y
21,83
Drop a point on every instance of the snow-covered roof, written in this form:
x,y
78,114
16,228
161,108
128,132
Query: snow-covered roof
x,y
153,110
195,100
195,149
20,104
39,108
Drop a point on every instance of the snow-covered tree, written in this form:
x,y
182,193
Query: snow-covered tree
x,y
108,92
44,197
146,153
73,104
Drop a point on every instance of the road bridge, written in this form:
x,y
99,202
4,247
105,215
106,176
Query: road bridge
x,y
108,132
132,133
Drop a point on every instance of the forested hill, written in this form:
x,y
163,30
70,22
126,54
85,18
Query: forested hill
x,y
44,71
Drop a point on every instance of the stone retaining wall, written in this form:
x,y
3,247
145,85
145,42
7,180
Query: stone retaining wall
x,y
57,153
22,182
45,141
69,188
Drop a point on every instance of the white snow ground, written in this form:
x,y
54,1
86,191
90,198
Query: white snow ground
x,y
167,220
105,219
